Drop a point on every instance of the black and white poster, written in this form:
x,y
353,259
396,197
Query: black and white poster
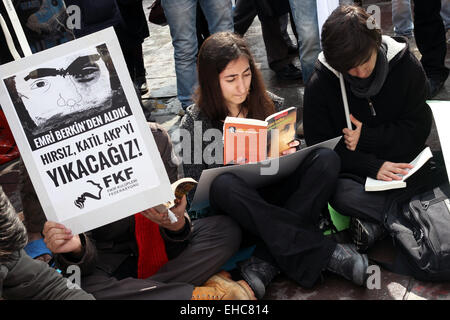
x,y
82,134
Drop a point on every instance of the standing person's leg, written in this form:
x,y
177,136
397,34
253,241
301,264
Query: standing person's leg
x,y
243,16
306,23
277,49
402,18
202,27
284,21
430,38
219,15
181,17
445,13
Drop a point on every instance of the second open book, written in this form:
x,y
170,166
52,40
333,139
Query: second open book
x,y
417,163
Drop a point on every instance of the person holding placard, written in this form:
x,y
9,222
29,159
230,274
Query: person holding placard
x,y
146,256
384,88
284,216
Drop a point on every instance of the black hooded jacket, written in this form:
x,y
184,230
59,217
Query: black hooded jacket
x,y
401,124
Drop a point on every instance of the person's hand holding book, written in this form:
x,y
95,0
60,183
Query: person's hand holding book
x,y
390,171
292,147
162,218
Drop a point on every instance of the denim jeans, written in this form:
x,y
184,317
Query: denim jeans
x,y
402,17
181,17
304,13
445,13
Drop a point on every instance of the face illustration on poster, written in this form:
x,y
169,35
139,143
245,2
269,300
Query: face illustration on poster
x,y
69,85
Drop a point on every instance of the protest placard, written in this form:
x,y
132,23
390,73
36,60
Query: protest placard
x,y
82,134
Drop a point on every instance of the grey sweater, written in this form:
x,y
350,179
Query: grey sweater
x,y
196,124
21,277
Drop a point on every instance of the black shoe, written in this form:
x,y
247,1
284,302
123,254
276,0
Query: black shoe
x,y
348,263
292,49
434,86
289,72
258,274
364,234
141,84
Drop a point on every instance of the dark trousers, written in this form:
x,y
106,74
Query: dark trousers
x,y
285,215
276,46
429,32
215,239
350,199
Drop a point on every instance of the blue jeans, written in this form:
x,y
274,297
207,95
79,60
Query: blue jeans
x,y
181,17
402,18
304,13
445,13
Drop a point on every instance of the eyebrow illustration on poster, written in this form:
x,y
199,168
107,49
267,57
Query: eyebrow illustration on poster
x,y
92,158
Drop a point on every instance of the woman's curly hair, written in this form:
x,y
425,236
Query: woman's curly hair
x,y
13,235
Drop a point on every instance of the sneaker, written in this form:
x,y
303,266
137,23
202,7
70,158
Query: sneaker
x,y
141,84
289,72
364,234
258,274
348,263
221,287
434,86
292,49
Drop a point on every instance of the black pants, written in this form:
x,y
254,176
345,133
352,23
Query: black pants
x,y
214,240
285,215
276,46
350,199
429,32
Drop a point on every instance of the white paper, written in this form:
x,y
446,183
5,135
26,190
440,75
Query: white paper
x,y
252,172
82,134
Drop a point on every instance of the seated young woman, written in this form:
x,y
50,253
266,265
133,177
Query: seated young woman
x,y
284,216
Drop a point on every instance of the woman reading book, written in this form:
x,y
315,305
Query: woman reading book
x,y
284,216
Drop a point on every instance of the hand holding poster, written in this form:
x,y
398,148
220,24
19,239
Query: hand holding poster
x,y
81,132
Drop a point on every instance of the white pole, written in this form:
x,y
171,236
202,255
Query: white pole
x,y
344,99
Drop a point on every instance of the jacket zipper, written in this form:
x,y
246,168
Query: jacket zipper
x,y
372,109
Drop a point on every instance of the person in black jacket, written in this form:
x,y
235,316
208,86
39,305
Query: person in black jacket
x,y
385,90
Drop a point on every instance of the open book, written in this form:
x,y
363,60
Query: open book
x,y
180,188
417,163
252,140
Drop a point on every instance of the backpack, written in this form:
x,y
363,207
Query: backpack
x,y
418,219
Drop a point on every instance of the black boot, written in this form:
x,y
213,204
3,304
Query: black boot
x,y
348,263
364,234
258,274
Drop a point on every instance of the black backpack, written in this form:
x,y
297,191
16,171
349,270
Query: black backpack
x,y
418,219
